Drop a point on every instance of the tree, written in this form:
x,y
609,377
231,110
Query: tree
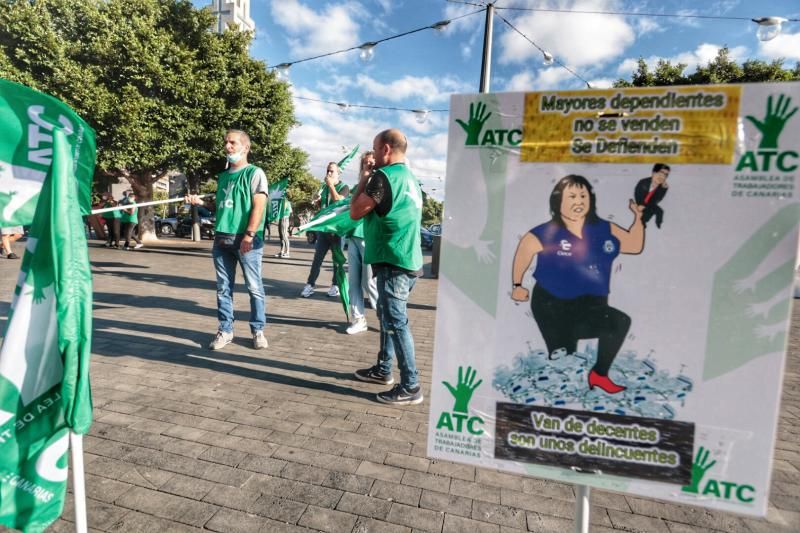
x,y
722,69
431,210
157,86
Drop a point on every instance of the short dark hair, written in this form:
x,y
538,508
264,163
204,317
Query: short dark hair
x,y
658,167
573,180
394,138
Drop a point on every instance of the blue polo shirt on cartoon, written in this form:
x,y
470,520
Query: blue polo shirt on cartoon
x,y
570,266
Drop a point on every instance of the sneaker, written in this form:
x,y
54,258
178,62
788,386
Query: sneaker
x,y
139,245
12,255
278,255
357,326
398,395
220,340
260,341
308,290
286,256
333,292
107,245
128,248
373,375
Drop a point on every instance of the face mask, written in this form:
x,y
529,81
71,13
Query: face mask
x,y
234,157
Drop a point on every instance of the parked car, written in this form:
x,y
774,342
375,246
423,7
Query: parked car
x,y
436,229
166,225
426,239
171,225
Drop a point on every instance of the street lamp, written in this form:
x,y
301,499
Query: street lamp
x,y
421,115
440,26
768,27
548,58
282,71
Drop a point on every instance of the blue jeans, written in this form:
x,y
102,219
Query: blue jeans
x,y
359,277
225,261
394,287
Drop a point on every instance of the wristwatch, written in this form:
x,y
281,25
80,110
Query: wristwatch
x,y
515,285
250,233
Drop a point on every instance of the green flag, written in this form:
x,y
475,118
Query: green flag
x,y
44,358
333,219
277,196
343,163
28,120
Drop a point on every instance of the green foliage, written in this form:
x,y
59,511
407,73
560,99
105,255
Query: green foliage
x,y
722,69
157,86
160,210
302,187
431,210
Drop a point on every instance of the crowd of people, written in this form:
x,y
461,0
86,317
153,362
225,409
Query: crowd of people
x,y
384,251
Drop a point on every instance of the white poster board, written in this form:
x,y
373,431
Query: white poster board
x,y
641,357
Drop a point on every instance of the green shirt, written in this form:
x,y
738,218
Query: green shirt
x,y
324,198
394,238
235,191
111,214
130,218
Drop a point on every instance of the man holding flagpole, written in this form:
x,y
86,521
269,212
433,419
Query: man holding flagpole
x,y
332,191
390,202
239,239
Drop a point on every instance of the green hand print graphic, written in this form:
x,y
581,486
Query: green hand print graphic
x,y
477,118
463,391
700,466
773,123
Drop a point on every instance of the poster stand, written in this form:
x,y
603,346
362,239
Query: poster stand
x,y
582,508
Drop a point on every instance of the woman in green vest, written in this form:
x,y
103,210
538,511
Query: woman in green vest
x,y
112,219
130,219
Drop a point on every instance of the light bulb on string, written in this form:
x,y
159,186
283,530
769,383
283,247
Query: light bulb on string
x,y
367,51
282,71
548,58
421,115
343,107
768,27
440,26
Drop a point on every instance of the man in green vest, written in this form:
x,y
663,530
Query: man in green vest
x,y
332,191
239,238
130,219
390,202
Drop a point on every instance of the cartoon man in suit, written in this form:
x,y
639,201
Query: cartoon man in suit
x,y
650,191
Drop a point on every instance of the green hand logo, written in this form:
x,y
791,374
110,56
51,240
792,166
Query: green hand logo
x,y
477,118
772,125
699,469
463,392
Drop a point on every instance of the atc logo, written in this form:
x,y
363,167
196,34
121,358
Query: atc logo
x,y
768,157
458,419
714,488
476,136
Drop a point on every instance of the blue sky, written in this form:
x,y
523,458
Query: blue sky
x,y
420,71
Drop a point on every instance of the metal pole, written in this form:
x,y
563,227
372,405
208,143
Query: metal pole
x,y
582,508
486,65
78,482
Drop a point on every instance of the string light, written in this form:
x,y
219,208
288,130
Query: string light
x,y
768,27
366,50
548,57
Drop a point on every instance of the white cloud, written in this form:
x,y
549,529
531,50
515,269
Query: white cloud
x,y
785,45
602,83
575,39
543,80
700,56
423,89
333,27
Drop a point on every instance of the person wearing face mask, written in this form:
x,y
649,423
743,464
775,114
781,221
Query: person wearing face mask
x,y
332,191
574,253
241,201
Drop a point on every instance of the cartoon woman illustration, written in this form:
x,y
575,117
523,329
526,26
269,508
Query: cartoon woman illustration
x,y
575,252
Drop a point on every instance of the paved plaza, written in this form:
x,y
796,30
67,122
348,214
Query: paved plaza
x,y
285,440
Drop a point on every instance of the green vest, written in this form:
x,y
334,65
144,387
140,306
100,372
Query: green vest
x,y
324,198
235,201
394,238
130,218
111,214
280,208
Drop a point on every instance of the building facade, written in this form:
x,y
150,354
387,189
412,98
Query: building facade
x,y
232,13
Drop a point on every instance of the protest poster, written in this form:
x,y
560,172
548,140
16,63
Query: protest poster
x,y
616,286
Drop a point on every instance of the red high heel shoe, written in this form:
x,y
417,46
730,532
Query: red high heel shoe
x,y
604,382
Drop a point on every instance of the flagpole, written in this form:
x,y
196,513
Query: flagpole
x,y
78,482
145,204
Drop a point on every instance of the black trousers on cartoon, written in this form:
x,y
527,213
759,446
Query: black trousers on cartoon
x,y
564,322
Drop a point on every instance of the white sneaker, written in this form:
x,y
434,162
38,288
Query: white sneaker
x,y
308,290
220,340
138,246
260,341
333,292
357,326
